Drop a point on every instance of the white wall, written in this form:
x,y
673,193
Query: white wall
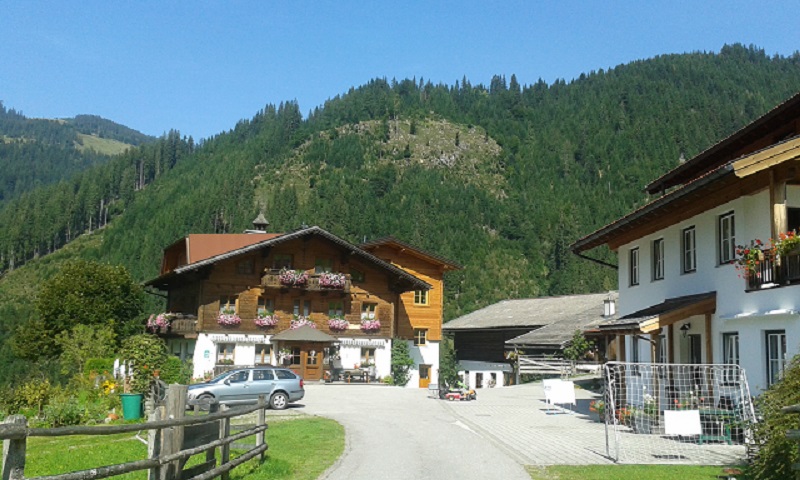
x,y
748,313
426,354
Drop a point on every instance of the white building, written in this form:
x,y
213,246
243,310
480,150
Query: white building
x,y
681,297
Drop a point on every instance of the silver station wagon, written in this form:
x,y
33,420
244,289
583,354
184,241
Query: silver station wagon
x,y
243,386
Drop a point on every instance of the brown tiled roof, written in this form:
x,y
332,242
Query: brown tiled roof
x,y
206,245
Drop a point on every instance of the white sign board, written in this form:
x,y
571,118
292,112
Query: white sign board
x,y
682,422
559,391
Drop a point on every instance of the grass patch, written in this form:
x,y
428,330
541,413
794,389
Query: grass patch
x,y
624,472
298,450
106,146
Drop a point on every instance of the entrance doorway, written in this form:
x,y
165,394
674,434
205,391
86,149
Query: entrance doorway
x,y
424,375
306,359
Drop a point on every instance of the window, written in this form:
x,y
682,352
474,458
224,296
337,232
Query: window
x,y
312,357
262,375
323,265
658,259
295,356
420,336
730,356
285,375
420,297
225,352
281,260
263,351
367,356
688,248
634,267
302,307
356,275
727,239
227,304
246,267
635,349
368,311
239,377
776,355
266,306
335,309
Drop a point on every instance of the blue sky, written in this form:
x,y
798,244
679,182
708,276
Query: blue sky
x,y
199,67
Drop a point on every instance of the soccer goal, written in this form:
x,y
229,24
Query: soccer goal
x,y
668,413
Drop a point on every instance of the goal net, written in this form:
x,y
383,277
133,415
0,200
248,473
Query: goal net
x,y
665,413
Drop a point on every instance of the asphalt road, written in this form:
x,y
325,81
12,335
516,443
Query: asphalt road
x,y
394,433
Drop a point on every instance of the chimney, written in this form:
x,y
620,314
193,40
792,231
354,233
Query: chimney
x,y
609,307
259,224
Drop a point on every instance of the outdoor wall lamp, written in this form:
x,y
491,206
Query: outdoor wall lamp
x,y
685,329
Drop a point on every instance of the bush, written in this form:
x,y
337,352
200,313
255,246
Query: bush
x,y
176,371
145,354
401,361
99,365
63,410
777,453
31,395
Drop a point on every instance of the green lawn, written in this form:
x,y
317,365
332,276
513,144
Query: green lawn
x,y
625,472
298,450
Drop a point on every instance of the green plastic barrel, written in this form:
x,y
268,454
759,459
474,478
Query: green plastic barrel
x,y
131,406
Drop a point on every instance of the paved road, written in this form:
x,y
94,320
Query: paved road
x,y
395,433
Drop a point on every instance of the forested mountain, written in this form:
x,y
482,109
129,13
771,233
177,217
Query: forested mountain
x,y
36,152
500,178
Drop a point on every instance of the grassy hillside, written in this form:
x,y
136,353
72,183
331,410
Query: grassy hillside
x,y
500,178
105,146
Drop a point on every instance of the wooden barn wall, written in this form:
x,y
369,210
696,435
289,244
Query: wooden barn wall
x,y
224,280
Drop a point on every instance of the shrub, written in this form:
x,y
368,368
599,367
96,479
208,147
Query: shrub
x,y
144,353
63,410
777,453
401,362
99,365
176,371
31,395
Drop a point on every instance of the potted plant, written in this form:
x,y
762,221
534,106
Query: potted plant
x,y
228,318
749,259
285,356
338,324
332,280
266,319
370,326
159,322
292,278
301,321
598,407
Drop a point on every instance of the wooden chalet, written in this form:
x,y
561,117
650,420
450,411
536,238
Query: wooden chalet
x,y
307,299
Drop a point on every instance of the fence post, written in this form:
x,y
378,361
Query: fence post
x,y
172,441
224,450
14,452
154,444
262,420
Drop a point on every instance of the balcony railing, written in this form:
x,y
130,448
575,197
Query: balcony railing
x,y
771,273
271,279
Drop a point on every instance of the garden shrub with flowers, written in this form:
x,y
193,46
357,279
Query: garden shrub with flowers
x,y
785,244
292,278
300,321
598,407
338,324
332,280
370,326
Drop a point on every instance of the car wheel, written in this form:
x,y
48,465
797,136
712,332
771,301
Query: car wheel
x,y
278,401
205,400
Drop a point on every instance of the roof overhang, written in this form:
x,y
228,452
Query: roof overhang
x,y
444,263
404,280
655,317
303,334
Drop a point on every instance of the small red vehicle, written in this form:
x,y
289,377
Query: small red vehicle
x,y
460,395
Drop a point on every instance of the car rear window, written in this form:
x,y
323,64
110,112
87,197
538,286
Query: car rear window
x,y
285,374
262,375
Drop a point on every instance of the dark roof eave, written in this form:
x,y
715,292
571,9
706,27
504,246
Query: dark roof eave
x,y
604,234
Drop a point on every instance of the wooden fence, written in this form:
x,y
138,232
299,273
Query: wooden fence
x,y
172,439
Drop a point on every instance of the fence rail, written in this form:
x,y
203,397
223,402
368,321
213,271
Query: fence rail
x,y
168,447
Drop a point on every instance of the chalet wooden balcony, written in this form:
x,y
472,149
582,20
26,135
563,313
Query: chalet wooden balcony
x,y
772,274
271,279
179,325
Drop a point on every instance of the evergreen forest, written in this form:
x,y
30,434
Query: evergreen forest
x,y
500,178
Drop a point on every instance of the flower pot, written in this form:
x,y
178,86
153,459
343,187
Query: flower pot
x,y
131,406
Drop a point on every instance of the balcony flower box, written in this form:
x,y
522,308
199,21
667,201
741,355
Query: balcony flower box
x,y
332,280
159,322
266,319
370,326
301,321
292,278
338,324
228,318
